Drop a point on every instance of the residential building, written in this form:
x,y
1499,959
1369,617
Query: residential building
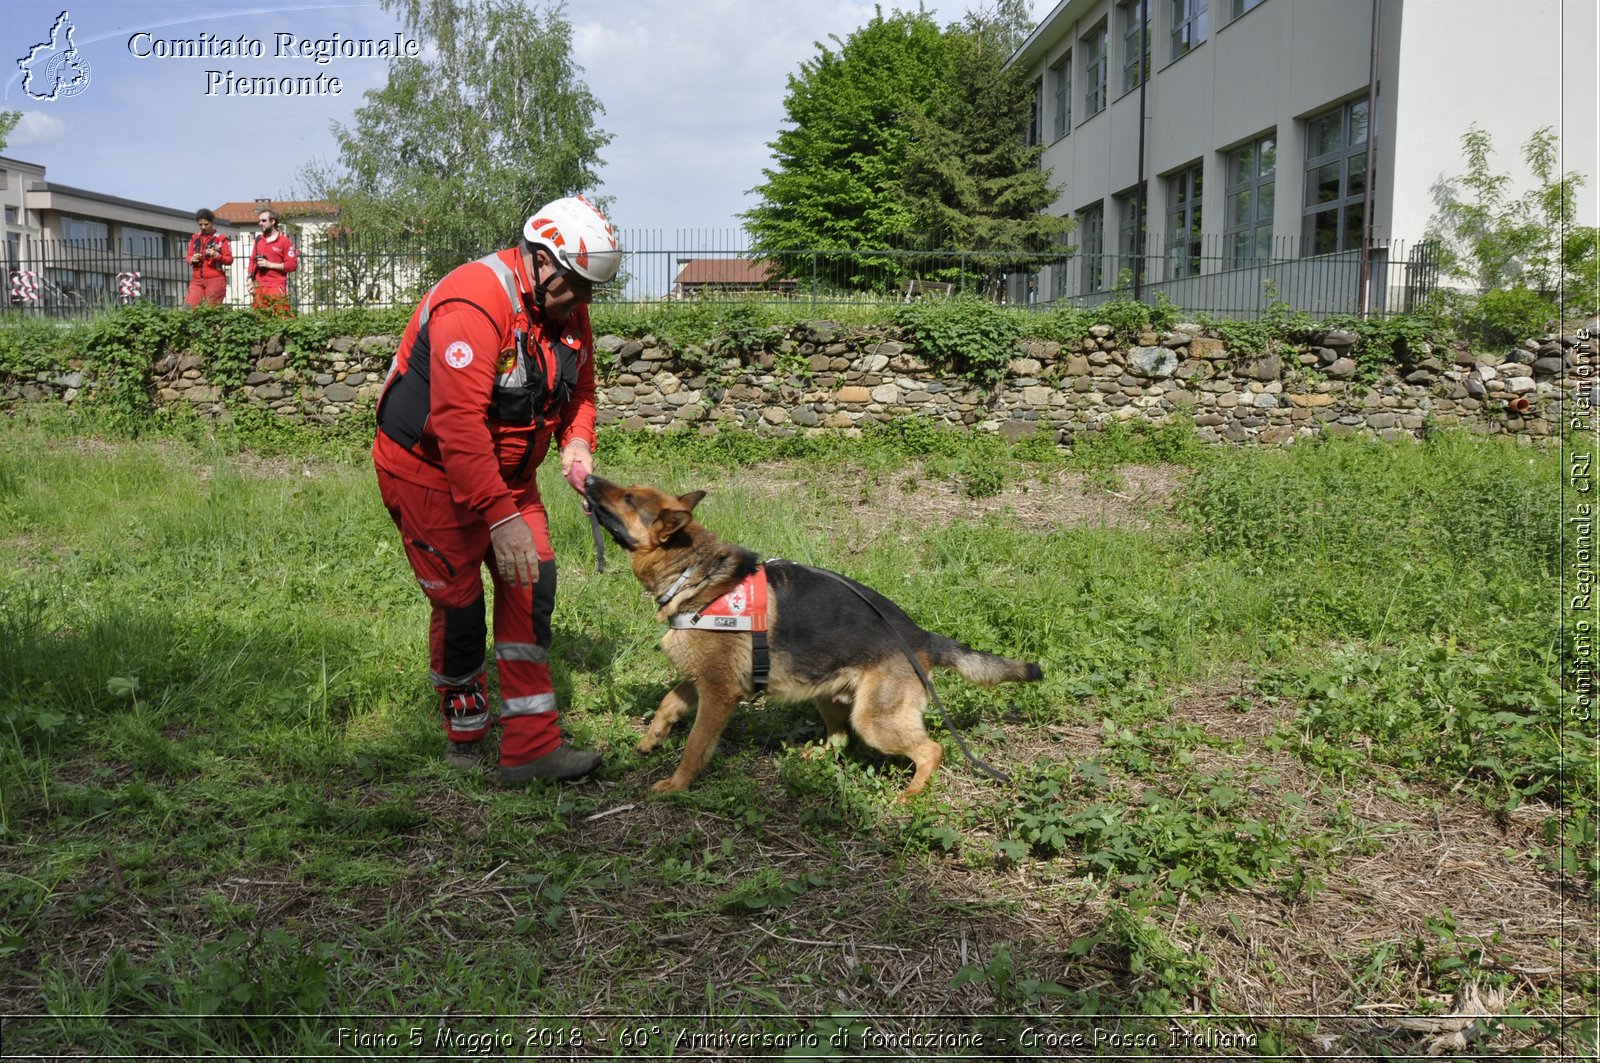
x,y
698,275
76,245
1273,160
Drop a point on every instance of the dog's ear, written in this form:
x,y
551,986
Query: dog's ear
x,y
669,522
691,499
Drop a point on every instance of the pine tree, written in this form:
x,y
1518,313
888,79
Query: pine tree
x,y
969,179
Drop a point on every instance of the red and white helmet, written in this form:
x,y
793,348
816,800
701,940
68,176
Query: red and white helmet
x,y
577,236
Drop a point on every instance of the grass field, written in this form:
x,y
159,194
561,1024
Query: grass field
x,y
1301,777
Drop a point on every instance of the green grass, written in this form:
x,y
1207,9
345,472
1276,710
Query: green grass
x,y
225,827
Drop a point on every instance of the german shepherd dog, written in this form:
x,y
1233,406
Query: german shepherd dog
x,y
829,639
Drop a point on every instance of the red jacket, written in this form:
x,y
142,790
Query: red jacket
x,y
280,249
209,267
468,409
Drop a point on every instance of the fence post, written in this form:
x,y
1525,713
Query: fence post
x,y
813,284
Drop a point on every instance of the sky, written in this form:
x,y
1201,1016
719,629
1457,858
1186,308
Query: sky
x,y
693,92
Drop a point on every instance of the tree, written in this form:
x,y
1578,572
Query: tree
x,y
969,178
849,108
8,122
908,136
461,145
1500,241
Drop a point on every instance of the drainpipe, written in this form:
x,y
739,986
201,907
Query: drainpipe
x,y
1138,193
1365,277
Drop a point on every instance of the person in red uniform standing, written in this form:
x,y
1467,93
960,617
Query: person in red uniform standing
x,y
495,367
272,259
209,255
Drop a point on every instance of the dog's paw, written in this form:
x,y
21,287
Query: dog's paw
x,y
647,744
669,785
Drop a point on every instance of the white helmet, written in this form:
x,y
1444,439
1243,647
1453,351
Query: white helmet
x,y
577,236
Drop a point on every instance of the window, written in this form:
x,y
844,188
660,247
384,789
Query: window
x,y
1061,93
1250,202
1241,6
11,215
1092,247
1035,117
1188,25
1336,179
1183,222
148,242
84,232
1135,42
1058,272
1094,70
1132,217
78,285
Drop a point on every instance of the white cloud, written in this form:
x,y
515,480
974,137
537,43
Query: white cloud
x,y
36,128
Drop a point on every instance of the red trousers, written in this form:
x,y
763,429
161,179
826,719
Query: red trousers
x,y
447,545
206,290
274,301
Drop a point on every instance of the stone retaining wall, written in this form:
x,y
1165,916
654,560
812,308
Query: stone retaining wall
x,y
825,377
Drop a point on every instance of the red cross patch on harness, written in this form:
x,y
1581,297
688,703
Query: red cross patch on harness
x,y
742,609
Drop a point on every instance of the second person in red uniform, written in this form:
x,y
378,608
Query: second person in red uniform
x,y
495,368
272,259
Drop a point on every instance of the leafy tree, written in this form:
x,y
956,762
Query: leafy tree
x,y
968,175
8,122
908,136
849,110
1501,241
461,145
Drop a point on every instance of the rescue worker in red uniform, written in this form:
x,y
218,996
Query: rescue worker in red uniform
x,y
495,367
208,256
272,259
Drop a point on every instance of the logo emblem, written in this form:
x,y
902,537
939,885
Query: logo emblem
x,y
55,69
458,355
736,600
507,361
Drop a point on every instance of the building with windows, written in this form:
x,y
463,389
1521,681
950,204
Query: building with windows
x,y
1290,148
75,244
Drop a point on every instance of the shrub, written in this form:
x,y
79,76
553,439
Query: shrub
x,y
967,335
30,345
1504,317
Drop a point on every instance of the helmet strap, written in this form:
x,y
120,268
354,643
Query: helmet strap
x,y
538,274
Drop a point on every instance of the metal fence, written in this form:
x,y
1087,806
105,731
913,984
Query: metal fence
x,y
76,279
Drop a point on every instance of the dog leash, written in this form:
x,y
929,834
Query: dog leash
x,y
944,715
599,537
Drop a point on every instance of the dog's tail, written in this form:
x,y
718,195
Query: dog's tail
x,y
976,666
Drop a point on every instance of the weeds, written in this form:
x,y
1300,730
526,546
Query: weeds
x,y
219,770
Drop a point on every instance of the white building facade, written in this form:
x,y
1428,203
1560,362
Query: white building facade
x,y
1274,163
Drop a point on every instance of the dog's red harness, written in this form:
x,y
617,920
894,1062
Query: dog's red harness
x,y
742,609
